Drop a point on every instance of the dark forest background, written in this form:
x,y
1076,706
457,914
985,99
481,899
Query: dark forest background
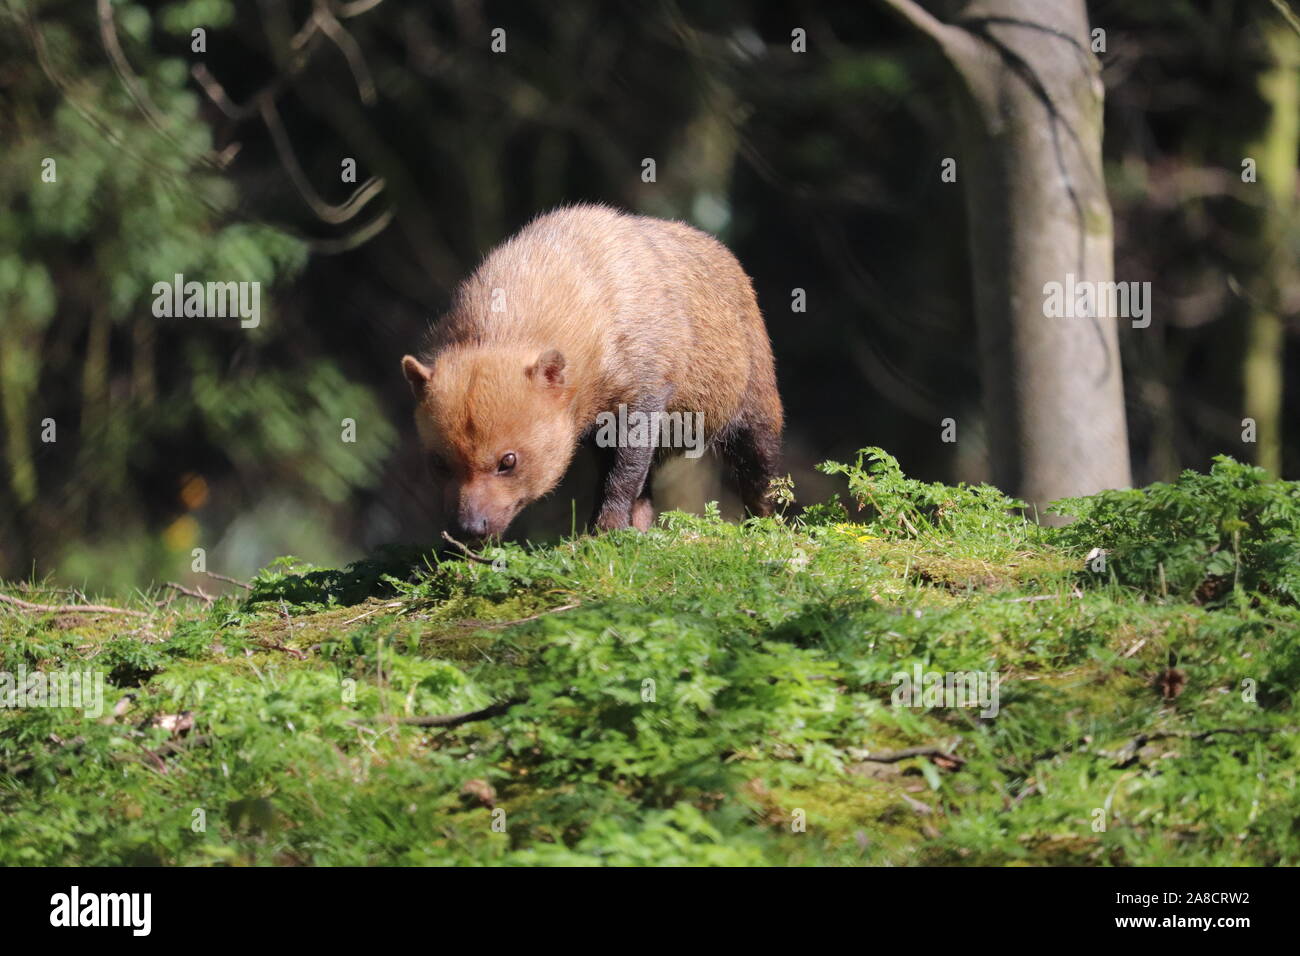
x,y
820,169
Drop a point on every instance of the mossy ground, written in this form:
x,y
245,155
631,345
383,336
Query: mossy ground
x,y
702,693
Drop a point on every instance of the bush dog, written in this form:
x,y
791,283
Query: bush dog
x,y
586,318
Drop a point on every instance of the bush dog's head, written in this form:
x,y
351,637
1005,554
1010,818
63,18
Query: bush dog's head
x,y
496,426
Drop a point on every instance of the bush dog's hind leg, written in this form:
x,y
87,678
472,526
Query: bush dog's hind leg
x,y
752,445
754,452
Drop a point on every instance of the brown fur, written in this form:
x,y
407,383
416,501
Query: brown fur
x,y
596,308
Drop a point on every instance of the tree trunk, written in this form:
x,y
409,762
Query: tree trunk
x,y
1028,122
1279,86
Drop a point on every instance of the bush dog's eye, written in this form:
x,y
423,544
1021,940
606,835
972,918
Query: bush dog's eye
x,y
507,463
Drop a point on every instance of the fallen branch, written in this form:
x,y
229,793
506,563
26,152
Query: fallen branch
x,y
1141,740
1076,593
920,806
1128,754
1135,648
69,608
373,610
455,720
473,556
494,625
168,749
894,756
1227,730
198,593
1028,791
177,746
291,651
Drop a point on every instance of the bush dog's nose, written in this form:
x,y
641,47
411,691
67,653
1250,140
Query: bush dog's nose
x,y
471,525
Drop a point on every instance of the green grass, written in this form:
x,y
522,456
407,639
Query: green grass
x,y
704,693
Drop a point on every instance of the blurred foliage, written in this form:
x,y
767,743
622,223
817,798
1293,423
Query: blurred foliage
x,y
137,402
820,170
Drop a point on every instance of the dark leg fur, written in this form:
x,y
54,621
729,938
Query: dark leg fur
x,y
623,499
754,452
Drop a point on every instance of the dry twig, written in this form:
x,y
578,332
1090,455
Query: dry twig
x,y
68,608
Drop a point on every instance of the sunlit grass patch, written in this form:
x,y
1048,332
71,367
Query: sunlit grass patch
x,y
704,693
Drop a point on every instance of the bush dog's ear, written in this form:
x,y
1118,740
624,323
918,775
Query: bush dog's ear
x,y
548,369
417,375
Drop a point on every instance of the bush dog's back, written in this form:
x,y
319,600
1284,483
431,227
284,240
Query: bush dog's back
x,y
584,325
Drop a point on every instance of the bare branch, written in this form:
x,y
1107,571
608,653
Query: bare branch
x,y
135,89
221,577
217,94
108,34
323,21
331,214
954,43
348,46
346,11
1292,19
333,247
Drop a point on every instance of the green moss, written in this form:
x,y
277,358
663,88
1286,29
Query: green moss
x,y
678,695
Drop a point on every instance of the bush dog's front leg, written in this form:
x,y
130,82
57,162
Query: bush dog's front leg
x,y
627,478
623,484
